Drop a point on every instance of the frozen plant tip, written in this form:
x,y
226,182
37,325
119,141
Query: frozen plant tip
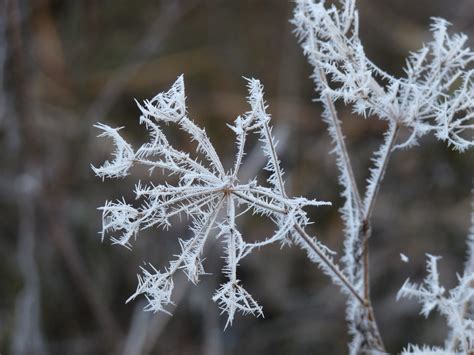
x,y
436,95
455,306
211,197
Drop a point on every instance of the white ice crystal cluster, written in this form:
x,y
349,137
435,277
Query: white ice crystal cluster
x,y
436,95
208,194
456,306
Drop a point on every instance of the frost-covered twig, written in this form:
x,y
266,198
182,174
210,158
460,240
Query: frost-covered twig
x,y
347,176
380,160
435,96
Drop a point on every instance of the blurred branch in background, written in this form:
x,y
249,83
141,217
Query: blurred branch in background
x,y
27,332
27,336
170,15
3,67
64,241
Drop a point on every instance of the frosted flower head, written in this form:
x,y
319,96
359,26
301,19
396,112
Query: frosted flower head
x,y
208,195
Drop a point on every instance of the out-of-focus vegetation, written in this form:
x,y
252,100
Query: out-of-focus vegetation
x,y
66,64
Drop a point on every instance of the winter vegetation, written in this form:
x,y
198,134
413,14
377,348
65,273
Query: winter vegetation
x,y
435,97
65,65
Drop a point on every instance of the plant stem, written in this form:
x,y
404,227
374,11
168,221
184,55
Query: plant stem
x,y
366,229
276,163
313,246
372,195
340,141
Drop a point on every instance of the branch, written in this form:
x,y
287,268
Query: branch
x,y
381,165
274,156
340,141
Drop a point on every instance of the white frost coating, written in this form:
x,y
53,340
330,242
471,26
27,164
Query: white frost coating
x,y
436,95
455,306
123,154
404,258
203,189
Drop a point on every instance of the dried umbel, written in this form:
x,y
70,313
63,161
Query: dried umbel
x,y
211,197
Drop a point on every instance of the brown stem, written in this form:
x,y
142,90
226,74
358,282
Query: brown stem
x,y
366,231
366,266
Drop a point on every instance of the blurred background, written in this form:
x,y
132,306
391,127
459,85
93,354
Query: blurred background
x,y
65,65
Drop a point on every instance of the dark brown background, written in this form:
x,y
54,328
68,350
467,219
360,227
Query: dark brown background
x,y
65,65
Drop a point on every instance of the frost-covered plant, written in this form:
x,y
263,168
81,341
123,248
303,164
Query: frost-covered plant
x,y
210,196
436,95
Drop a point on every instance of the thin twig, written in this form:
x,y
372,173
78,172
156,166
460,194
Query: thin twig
x,y
276,163
340,141
363,215
256,202
310,242
369,201
365,230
